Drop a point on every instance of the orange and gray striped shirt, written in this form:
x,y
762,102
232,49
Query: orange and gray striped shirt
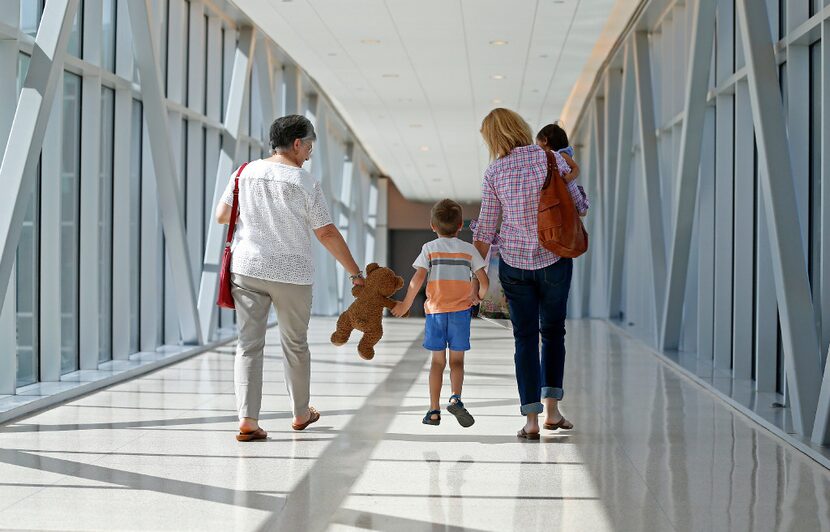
x,y
450,264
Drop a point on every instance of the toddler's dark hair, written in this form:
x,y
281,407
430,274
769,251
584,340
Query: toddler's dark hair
x,y
554,136
446,217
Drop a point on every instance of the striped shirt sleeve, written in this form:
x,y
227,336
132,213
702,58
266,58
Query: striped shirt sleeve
x,y
489,215
422,261
580,201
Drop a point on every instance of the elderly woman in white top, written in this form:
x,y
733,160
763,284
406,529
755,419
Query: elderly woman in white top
x,y
280,205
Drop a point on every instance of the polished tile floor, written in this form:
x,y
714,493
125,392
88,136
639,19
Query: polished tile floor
x,y
650,451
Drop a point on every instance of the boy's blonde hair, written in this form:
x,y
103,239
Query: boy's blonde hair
x,y
446,217
504,130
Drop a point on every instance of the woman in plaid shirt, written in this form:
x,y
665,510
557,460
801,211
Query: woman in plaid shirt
x,y
535,281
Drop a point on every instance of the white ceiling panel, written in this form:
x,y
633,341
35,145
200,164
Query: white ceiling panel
x,y
413,79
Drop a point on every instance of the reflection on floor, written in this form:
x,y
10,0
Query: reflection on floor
x,y
650,450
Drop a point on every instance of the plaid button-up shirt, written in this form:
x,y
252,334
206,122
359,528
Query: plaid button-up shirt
x,y
511,188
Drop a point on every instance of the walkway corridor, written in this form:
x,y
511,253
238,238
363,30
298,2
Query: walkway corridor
x,y
650,451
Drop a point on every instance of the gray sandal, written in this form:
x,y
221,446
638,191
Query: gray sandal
x,y
465,419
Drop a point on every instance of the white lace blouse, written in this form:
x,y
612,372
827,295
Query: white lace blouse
x,y
279,206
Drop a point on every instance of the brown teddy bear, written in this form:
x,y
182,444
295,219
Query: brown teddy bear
x,y
366,312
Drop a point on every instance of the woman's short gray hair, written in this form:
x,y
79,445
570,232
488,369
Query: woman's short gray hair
x,y
286,129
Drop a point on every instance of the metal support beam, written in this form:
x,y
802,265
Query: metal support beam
x,y
651,167
122,241
155,117
8,308
622,185
613,96
267,91
792,286
293,89
88,295
691,138
31,116
240,77
594,186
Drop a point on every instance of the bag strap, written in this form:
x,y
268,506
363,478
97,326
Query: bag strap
x,y
235,207
552,168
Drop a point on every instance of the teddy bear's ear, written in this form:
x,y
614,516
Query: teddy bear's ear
x,y
398,283
372,267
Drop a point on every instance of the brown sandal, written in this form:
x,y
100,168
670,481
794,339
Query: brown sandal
x,y
527,435
255,435
561,424
313,415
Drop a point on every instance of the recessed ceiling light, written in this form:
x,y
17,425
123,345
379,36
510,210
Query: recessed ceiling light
x,y
535,90
544,56
424,148
498,42
332,54
497,76
496,100
415,125
432,165
389,75
369,41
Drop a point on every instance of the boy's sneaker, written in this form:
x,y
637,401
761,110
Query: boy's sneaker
x,y
456,408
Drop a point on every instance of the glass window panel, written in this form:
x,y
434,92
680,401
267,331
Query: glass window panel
x,y
27,296
26,267
22,70
105,226
108,35
70,181
205,52
135,225
30,13
75,46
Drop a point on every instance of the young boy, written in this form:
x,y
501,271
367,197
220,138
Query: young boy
x,y
450,264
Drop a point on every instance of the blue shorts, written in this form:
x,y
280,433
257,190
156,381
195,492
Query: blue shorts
x,y
448,329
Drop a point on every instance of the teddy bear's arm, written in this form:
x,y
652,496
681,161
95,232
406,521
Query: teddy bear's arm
x,y
357,290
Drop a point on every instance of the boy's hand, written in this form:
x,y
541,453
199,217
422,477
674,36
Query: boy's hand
x,y
400,309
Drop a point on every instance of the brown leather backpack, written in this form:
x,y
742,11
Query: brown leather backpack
x,y
560,227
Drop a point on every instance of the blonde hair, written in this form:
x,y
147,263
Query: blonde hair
x,y
504,130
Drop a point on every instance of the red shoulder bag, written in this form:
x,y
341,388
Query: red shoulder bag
x,y
225,298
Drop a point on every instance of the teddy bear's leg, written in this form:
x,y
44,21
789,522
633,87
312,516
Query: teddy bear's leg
x,y
366,347
344,329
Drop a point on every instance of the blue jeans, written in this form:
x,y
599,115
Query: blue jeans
x,y
538,301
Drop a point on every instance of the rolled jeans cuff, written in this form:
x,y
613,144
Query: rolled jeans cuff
x,y
532,408
548,392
